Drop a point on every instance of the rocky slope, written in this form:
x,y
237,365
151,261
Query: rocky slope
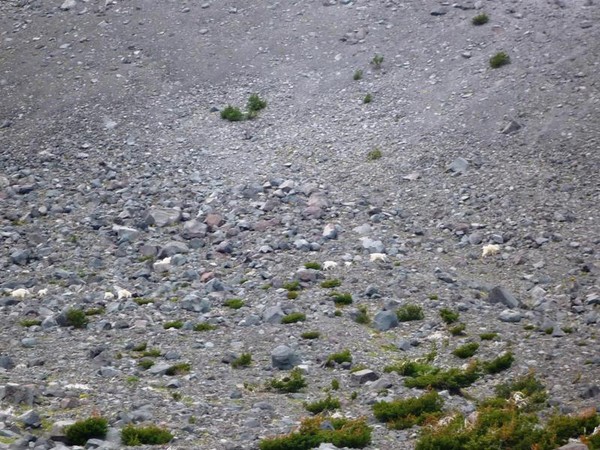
x,y
118,176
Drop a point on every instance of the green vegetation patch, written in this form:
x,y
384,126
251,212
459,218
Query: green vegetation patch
x,y
466,350
499,59
480,19
76,318
290,383
312,433
255,103
362,316
244,360
358,74
488,336
327,404
458,330
293,318
452,379
234,303
177,324
410,312
30,322
342,299
401,414
410,368
499,364
374,154
448,316
368,99
506,427
204,326
232,114
148,435
292,286
329,284
339,358
80,432
310,335
312,265
377,61
178,369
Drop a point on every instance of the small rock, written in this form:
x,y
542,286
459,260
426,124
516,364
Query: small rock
x,y
502,295
459,165
511,127
68,4
363,376
162,217
385,320
510,316
284,358
31,419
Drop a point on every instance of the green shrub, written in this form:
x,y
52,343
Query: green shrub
x,y
234,303
374,155
310,335
173,324
339,358
80,432
452,379
312,265
289,384
293,318
149,435
335,384
143,301
488,336
499,364
94,311
232,114
292,286
480,19
327,404
178,369
466,350
499,59
408,368
30,322
368,99
312,433
292,295
528,385
342,299
377,61
358,74
76,318
145,363
204,326
400,414
457,330
244,360
408,313
363,315
140,347
255,103
333,283
448,316
152,353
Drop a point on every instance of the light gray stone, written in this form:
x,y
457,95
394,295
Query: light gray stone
x,y
284,358
502,295
385,320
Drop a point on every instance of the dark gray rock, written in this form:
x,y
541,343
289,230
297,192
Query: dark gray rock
x,y
6,362
273,314
364,376
385,320
30,419
284,358
20,394
193,302
162,217
172,248
502,295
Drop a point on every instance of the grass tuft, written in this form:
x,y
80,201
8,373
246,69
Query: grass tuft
x,y
148,435
410,312
80,432
480,19
499,59
293,318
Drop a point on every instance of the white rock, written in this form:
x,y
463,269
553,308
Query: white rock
x,y
490,250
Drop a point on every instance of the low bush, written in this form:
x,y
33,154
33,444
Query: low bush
x,y
289,384
310,335
148,435
374,154
409,368
292,286
232,114
458,330
342,299
358,74
80,432
244,360
466,350
178,369
499,364
333,283
452,379
339,358
313,432
76,318
368,99
327,404
293,318
408,313
488,336
255,103
204,326
312,265
401,414
377,61
30,322
499,59
362,316
480,19
448,316
177,324
234,303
